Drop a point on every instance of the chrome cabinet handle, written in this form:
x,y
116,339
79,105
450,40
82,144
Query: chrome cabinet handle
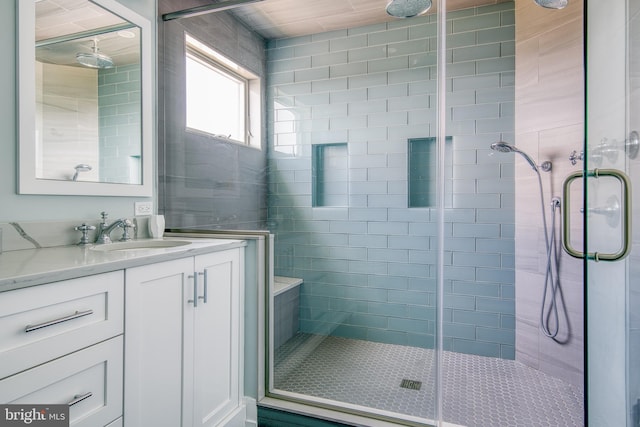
x,y
195,290
77,314
626,215
79,398
205,292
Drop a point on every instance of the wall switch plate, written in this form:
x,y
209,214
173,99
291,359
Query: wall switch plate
x,y
142,208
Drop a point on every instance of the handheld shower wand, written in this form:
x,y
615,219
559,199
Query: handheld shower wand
x,y
505,147
549,320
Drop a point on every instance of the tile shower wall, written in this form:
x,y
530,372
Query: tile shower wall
x,y
549,125
286,316
369,268
58,114
119,113
110,115
207,182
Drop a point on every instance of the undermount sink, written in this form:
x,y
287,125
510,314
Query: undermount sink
x,y
140,245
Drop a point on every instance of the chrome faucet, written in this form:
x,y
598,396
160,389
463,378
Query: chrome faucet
x,y
104,229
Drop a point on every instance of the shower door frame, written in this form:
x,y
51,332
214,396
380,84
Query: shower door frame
x,y
611,394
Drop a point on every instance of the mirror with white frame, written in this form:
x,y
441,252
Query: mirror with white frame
x,y
85,115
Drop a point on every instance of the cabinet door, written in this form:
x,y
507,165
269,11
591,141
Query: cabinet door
x,y
218,337
156,306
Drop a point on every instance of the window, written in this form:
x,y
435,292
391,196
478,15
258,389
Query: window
x,y
222,98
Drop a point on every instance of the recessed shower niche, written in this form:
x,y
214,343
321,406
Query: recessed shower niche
x,y
422,171
330,171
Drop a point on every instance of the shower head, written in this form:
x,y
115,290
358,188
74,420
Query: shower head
x,y
408,8
552,4
80,168
94,59
505,147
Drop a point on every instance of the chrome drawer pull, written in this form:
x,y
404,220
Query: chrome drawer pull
x,y
77,314
79,398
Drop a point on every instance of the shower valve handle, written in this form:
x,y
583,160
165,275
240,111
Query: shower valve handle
x,y
574,157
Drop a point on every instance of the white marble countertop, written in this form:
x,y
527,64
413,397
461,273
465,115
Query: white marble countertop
x,y
31,267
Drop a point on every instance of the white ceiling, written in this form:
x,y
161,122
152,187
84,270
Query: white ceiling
x,y
290,18
60,18
56,18
270,18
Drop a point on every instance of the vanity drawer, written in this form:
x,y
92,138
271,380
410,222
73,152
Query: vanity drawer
x,y
40,323
91,377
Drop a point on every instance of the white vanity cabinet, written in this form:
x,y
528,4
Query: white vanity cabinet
x,y
184,342
61,343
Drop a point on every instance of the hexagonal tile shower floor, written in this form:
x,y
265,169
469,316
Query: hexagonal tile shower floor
x,y
478,391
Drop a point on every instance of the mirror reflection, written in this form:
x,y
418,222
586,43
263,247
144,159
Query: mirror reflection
x,y
88,94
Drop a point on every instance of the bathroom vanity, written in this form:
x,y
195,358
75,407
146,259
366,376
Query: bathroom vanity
x,y
126,335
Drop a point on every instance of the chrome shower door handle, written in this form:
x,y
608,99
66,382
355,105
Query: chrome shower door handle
x,y
626,215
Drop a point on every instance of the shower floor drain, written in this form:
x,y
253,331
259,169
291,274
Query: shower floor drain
x,y
411,384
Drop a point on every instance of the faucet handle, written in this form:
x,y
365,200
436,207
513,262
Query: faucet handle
x,y
84,228
126,226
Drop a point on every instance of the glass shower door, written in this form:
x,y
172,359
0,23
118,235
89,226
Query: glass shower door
x,y
612,288
352,144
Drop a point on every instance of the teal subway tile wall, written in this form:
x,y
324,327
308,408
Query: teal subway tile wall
x,y
369,264
119,113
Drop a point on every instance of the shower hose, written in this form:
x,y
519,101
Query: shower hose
x,y
549,320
